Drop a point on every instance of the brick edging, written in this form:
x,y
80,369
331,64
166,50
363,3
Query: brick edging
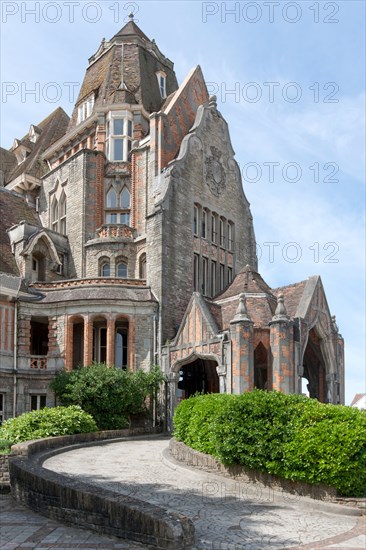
x,y
202,461
72,501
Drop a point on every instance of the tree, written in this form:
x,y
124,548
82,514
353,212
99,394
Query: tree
x,y
109,394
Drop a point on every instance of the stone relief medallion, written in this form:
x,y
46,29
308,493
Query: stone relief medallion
x,y
215,173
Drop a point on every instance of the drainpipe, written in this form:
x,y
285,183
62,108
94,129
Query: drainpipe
x,y
15,358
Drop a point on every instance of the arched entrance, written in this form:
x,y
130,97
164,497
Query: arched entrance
x,y
260,367
198,376
314,378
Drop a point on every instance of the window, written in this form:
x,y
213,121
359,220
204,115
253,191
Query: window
x,y
85,109
222,276
222,232
230,236
38,402
99,343
229,275
142,268
120,203
54,214
204,224
121,269
119,136
60,267
195,272
62,213
121,355
2,407
58,214
213,228
161,76
105,269
213,278
204,276
38,267
195,220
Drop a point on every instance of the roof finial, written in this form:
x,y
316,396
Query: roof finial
x,y
131,16
241,312
280,313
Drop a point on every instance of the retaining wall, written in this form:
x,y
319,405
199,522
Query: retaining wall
x,y
75,502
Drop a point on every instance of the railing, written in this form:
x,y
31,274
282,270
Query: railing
x,y
115,231
38,362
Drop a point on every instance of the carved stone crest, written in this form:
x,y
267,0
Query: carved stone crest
x,y
215,173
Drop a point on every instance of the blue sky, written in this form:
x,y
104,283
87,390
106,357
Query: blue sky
x,y
290,81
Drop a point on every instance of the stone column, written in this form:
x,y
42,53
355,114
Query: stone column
x,y
111,342
242,350
24,335
281,337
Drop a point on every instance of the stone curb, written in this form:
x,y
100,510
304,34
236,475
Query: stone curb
x,y
84,505
184,457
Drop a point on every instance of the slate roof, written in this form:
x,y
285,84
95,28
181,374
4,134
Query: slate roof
x,y
292,295
141,61
51,129
8,163
97,292
247,280
13,209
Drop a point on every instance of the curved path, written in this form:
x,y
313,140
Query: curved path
x,y
227,515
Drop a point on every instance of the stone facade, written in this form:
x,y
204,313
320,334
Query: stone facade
x,y
113,218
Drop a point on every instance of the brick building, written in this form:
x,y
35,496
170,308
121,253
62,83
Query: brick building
x,y
126,238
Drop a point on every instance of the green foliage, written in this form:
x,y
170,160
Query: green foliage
x,y
5,446
110,395
287,435
47,422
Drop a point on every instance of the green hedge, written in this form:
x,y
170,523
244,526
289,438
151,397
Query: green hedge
x,y
47,422
110,395
287,435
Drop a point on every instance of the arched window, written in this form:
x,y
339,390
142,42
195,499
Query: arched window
x,y
105,269
142,266
54,214
62,214
118,206
122,269
125,198
111,198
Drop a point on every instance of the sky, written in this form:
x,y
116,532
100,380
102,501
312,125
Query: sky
x,y
290,81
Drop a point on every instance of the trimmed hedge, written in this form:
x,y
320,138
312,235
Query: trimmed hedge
x,y
291,436
46,423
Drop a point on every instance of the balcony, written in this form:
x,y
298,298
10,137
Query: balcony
x,y
115,231
38,362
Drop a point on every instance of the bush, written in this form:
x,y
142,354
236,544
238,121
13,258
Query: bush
x,y
110,395
287,435
5,447
47,422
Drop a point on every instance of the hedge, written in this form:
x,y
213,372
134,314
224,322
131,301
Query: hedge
x,y
46,423
291,436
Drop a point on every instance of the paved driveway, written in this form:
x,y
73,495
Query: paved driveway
x,y
227,515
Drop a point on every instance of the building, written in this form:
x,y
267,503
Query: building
x,y
359,401
127,239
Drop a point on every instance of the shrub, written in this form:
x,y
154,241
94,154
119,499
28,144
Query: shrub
x,y
47,422
287,435
110,395
5,446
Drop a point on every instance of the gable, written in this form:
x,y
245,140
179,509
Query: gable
x,y
198,324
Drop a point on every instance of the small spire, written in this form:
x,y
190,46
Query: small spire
x,y
280,313
212,101
241,312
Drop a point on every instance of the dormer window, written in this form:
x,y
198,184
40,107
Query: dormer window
x,y
161,76
85,109
119,136
33,133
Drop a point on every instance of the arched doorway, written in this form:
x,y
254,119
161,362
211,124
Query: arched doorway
x,y
198,376
260,367
314,369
